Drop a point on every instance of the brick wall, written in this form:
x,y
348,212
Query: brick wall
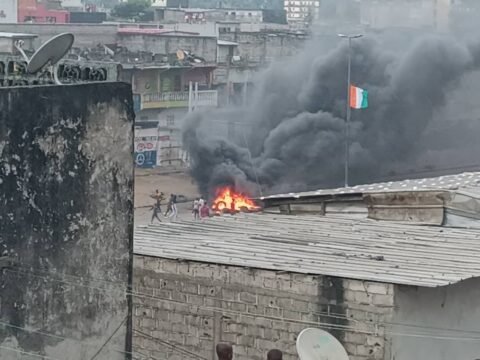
x,y
182,309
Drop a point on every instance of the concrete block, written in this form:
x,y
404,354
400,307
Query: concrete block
x,y
263,344
238,307
254,331
354,285
363,298
248,297
377,288
363,350
229,337
189,288
274,312
285,302
178,296
262,322
204,271
146,323
270,283
300,305
229,295
383,300
291,314
195,300
246,340
169,267
176,318
355,338
256,309
209,291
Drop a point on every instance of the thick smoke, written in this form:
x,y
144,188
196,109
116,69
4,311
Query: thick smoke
x,y
291,137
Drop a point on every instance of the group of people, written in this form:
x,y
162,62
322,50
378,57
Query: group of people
x,y
171,211
200,209
225,352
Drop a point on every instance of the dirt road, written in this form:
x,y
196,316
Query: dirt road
x,y
173,182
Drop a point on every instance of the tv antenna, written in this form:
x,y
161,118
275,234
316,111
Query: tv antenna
x,y
316,344
49,54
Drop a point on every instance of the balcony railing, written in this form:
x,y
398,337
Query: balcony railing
x,y
179,99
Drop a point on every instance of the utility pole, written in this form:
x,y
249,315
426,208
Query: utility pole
x,y
348,114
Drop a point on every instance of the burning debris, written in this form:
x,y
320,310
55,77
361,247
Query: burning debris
x,y
227,200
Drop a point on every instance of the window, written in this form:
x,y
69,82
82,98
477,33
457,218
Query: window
x,y
170,120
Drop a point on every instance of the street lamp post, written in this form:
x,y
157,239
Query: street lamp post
x,y
347,120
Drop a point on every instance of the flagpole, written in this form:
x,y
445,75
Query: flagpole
x,y
348,114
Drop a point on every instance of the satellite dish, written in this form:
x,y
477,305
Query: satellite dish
x,y
316,344
180,55
50,53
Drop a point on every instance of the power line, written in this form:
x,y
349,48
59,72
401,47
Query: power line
x,y
328,315
83,342
27,353
174,347
109,338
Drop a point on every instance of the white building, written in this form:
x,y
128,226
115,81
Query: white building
x,y
302,10
8,11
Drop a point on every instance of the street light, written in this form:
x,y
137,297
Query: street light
x,y
347,120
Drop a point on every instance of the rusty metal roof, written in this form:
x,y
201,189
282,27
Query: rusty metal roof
x,y
467,181
364,249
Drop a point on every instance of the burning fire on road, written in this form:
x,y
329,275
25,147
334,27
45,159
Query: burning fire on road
x,y
228,200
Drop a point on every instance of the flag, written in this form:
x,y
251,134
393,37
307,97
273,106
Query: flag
x,y
358,98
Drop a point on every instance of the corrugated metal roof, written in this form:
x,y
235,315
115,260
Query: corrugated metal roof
x,y
448,182
380,251
11,35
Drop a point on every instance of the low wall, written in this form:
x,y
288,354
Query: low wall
x,y
182,309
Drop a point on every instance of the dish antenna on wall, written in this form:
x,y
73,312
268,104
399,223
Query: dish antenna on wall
x,y
316,344
49,54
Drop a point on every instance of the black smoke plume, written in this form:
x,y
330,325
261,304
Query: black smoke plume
x,y
291,136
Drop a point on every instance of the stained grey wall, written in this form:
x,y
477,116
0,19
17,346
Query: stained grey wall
x,y
66,220
438,324
203,46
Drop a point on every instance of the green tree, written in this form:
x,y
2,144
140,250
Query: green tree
x,y
131,9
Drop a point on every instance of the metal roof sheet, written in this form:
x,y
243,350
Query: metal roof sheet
x,y
379,251
448,182
11,35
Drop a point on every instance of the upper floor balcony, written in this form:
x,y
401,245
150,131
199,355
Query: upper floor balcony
x,y
179,99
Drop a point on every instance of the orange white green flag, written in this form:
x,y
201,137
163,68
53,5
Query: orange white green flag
x,y
358,98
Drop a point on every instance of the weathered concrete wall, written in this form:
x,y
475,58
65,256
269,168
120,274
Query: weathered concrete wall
x,y
66,220
86,35
187,307
265,47
438,324
205,47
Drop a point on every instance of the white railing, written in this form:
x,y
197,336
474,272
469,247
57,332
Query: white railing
x,y
205,98
199,99
165,96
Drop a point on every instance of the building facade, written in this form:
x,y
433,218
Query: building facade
x,y
302,10
42,11
391,270
9,11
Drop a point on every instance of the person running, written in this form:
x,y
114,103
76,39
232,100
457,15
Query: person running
x,y
156,210
172,207
196,209
158,196
173,200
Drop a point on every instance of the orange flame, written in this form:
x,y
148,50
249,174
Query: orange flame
x,y
229,200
